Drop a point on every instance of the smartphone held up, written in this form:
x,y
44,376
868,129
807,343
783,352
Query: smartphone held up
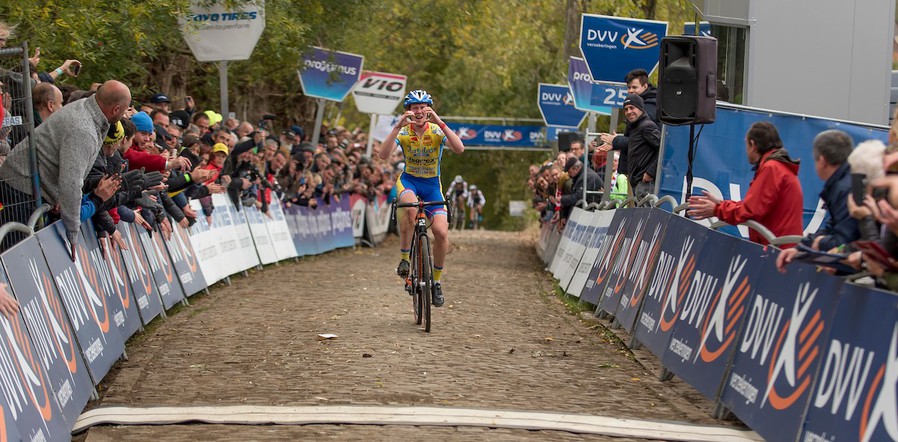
x,y
858,188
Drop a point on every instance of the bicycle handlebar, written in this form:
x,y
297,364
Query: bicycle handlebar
x,y
423,204
419,204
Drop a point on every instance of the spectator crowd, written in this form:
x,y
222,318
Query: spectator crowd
x,y
558,185
111,157
859,234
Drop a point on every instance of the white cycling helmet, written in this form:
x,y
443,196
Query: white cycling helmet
x,y
457,179
417,96
473,187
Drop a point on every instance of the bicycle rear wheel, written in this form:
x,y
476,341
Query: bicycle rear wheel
x,y
426,281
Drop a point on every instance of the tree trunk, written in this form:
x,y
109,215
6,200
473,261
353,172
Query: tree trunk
x,y
571,29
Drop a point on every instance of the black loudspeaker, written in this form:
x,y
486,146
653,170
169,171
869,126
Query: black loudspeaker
x,y
565,139
687,80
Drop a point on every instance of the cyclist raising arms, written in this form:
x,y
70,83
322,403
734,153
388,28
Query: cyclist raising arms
x,y
421,135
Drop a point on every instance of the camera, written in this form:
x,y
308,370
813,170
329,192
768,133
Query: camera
x,y
76,68
250,172
858,187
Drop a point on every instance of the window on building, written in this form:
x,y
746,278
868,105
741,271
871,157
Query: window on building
x,y
731,43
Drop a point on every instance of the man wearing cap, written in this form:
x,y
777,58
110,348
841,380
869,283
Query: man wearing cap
x,y
180,119
214,118
298,132
637,83
643,143
588,177
160,102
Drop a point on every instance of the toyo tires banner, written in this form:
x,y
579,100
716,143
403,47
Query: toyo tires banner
x,y
215,33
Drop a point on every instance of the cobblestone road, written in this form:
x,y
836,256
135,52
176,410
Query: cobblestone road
x,y
501,341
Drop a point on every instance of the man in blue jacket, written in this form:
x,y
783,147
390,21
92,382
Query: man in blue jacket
x,y
831,149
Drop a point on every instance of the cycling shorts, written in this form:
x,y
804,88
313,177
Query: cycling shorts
x,y
428,189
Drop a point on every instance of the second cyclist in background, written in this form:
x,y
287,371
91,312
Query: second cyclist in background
x,y
422,135
476,200
458,194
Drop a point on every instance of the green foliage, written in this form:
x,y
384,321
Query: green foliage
x,y
500,175
478,58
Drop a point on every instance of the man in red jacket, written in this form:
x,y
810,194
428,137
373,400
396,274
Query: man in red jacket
x,y
774,196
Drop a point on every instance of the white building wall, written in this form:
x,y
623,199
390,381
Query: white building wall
x,y
829,58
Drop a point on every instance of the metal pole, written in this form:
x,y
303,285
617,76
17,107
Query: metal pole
x,y
661,161
609,168
319,118
370,138
29,124
223,88
590,127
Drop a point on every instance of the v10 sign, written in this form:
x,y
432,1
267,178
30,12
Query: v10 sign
x,y
378,92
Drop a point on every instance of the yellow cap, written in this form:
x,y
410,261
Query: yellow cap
x,y
214,117
117,136
220,147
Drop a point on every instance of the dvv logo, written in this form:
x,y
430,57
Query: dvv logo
x,y
466,133
675,290
719,328
634,38
568,99
797,348
512,135
639,39
882,397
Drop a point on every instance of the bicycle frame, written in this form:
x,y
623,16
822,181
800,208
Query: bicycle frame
x,y
419,281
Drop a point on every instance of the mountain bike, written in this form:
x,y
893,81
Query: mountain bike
x,y
457,213
419,281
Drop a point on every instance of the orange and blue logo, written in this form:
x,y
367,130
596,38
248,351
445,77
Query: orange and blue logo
x,y
880,403
466,133
511,135
638,38
796,350
675,289
727,308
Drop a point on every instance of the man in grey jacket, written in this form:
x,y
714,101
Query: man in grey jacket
x,y
67,144
582,176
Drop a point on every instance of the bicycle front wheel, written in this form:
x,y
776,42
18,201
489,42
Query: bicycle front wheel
x,y
426,281
413,285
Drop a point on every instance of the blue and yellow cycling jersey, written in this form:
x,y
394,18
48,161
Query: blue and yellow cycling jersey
x,y
422,154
